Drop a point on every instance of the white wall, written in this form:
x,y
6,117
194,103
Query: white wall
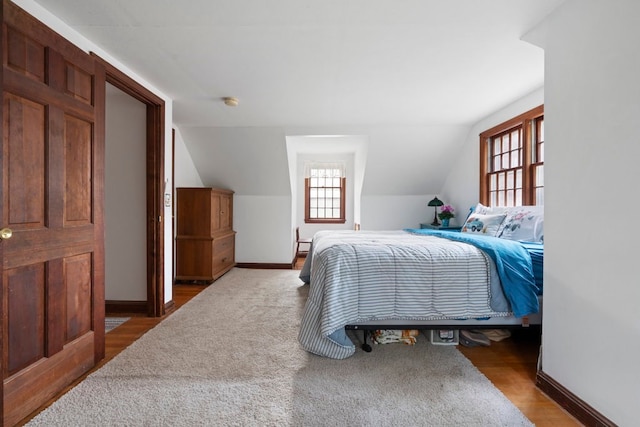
x,y
83,43
185,171
264,229
125,198
591,330
409,161
396,212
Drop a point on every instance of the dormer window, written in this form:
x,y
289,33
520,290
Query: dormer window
x,y
325,185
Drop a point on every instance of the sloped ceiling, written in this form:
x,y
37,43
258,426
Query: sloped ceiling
x,y
321,65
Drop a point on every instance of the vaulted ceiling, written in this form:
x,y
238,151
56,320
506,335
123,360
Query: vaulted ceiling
x,y
320,64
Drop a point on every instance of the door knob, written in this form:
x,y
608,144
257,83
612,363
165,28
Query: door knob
x,y
5,233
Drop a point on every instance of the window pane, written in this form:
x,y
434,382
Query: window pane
x,y
501,198
515,139
313,182
515,158
493,199
541,152
510,198
510,180
519,178
539,196
501,185
496,163
313,213
505,160
518,200
505,143
493,183
496,146
540,176
313,203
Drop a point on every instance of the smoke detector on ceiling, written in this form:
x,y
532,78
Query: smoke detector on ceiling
x,y
230,101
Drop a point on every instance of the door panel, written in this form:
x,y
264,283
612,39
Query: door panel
x,y
77,167
24,128
77,280
26,313
52,198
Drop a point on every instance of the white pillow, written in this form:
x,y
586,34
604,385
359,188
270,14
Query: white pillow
x,y
483,224
486,210
523,223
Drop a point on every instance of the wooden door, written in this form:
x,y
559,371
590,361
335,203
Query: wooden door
x,y
52,281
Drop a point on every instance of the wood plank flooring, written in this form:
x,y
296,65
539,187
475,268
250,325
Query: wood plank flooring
x,y
510,364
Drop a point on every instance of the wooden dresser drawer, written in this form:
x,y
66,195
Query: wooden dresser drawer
x,y
222,261
223,244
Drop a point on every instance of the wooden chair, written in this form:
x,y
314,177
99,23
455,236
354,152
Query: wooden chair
x,y
299,242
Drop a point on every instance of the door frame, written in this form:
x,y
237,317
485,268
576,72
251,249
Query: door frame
x,y
155,182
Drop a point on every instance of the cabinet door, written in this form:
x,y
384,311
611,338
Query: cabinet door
x,y
215,212
225,212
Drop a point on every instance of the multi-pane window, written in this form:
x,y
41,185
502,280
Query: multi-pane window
x,y
505,176
325,195
512,161
538,161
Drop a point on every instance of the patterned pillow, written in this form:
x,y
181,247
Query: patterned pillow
x,y
483,224
523,223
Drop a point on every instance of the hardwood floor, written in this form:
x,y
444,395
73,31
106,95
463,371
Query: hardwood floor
x,y
510,364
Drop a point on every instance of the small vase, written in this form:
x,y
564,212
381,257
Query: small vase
x,y
445,222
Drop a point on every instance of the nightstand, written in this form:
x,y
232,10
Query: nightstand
x,y
440,227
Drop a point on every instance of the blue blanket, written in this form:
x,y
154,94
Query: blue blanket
x,y
536,251
513,263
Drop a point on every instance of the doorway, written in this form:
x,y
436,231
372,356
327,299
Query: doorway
x,y
125,204
155,183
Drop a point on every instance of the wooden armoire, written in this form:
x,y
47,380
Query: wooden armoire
x,y
205,240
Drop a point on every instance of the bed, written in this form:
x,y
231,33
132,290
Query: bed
x,y
486,277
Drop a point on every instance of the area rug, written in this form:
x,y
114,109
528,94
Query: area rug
x,y
230,357
110,323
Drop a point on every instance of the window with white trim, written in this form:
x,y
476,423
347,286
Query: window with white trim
x,y
325,185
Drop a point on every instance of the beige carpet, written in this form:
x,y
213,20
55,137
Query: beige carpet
x,y
230,357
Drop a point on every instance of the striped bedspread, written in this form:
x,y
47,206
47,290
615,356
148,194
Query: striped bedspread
x,y
369,276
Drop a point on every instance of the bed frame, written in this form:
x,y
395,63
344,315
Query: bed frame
x,y
509,322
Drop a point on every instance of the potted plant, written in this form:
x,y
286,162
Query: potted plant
x,y
446,213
